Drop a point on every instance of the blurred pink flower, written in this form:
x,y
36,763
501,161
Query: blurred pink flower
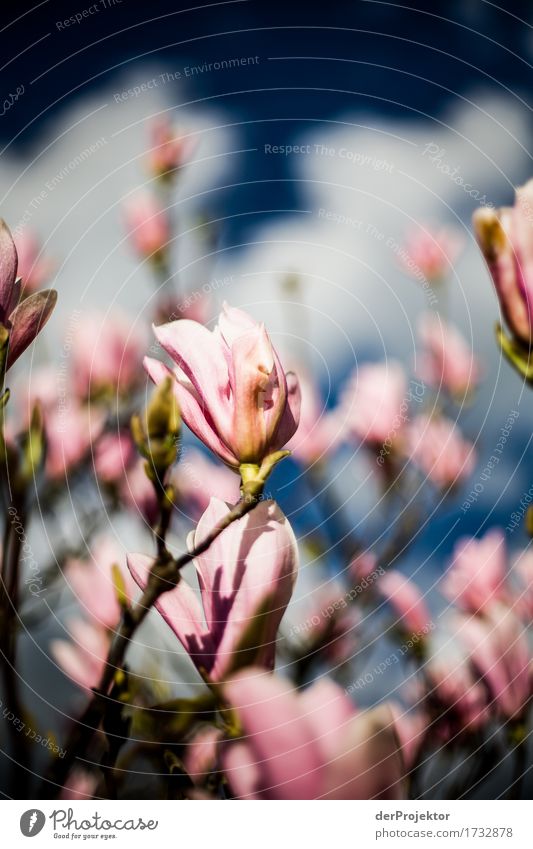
x,y
83,658
246,579
447,360
308,745
24,319
505,237
33,268
319,430
148,225
70,433
201,753
92,581
406,600
364,567
411,727
138,493
198,479
476,575
231,388
79,785
431,254
459,698
438,448
168,151
522,585
371,404
498,649
107,354
114,453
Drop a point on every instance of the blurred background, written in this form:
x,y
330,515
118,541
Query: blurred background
x,y
323,134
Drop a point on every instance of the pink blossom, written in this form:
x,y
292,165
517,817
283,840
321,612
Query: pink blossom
x,y
79,785
506,238
363,567
411,727
447,360
407,601
371,405
148,225
246,579
499,651
308,745
201,753
231,388
93,584
70,433
461,698
476,575
107,355
113,455
23,319
33,268
431,254
169,151
197,479
522,586
318,430
83,658
437,447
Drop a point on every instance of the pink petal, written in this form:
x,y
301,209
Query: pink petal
x,y
27,320
8,271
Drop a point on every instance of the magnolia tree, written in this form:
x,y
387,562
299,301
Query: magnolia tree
x,y
354,690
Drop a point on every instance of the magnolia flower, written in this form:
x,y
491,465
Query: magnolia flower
x,y
26,319
33,268
436,445
460,699
79,785
499,651
522,585
406,600
246,579
447,360
70,433
107,354
148,224
476,575
231,388
431,254
168,151
371,404
83,660
505,237
114,453
318,429
93,582
201,753
308,745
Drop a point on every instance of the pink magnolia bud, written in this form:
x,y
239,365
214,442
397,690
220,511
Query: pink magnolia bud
x,y
231,388
431,254
23,319
505,237
406,600
168,151
309,745
477,573
246,580
93,582
148,225
107,354
447,360
437,446
83,659
114,453
371,405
